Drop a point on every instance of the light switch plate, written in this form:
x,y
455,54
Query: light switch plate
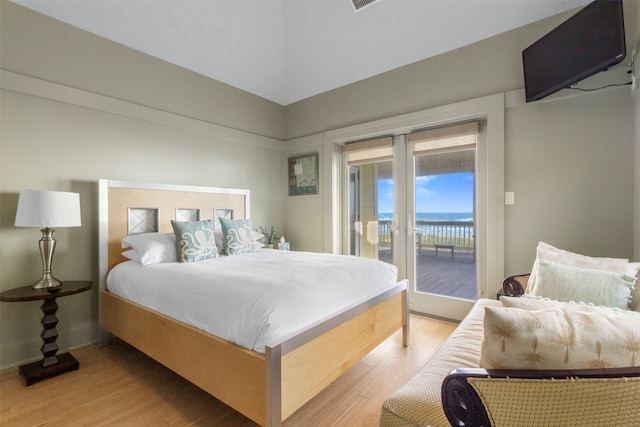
x,y
509,198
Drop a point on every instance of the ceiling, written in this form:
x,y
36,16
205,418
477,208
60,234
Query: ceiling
x,y
288,50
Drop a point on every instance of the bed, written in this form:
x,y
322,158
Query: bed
x,y
269,380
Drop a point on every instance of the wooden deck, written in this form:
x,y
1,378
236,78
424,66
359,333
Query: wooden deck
x,y
443,275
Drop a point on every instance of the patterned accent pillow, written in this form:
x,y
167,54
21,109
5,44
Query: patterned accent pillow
x,y
194,240
560,338
567,283
238,236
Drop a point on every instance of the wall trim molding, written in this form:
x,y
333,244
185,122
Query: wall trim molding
x,y
27,85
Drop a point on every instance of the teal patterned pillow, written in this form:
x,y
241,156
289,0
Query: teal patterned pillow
x,y
194,240
238,236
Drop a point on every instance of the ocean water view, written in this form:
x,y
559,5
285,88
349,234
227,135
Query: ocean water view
x,y
432,216
436,227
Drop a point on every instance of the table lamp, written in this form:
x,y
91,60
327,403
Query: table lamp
x,y
47,209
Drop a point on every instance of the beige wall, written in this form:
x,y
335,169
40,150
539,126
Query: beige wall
x,y
569,160
38,46
76,108
484,68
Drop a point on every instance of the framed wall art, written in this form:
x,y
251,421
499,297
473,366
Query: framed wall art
x,y
303,174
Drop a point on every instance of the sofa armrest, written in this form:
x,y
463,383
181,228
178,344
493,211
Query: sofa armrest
x,y
461,403
514,286
464,407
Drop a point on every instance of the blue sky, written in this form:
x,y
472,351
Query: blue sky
x,y
434,193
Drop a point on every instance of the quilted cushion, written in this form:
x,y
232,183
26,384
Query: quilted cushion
x,y
418,402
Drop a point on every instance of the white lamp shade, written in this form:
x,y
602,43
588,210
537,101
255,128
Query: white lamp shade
x,y
48,209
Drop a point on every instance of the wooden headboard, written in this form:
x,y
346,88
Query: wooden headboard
x,y
132,207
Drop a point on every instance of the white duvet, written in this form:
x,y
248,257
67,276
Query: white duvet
x,y
254,300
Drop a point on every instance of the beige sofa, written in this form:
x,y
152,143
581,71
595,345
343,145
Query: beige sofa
x,y
445,391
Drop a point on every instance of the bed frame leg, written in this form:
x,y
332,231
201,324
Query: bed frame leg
x,y
405,327
273,385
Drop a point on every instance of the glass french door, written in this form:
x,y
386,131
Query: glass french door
x,y
370,199
414,205
441,194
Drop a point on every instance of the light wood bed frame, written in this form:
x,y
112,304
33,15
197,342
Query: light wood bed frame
x,y
267,388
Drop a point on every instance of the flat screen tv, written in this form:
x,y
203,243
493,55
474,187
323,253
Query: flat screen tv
x,y
590,41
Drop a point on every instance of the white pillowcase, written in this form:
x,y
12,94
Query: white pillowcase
x,y
132,255
616,265
551,253
530,302
566,283
151,248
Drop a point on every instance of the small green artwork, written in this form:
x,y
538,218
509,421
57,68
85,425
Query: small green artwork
x,y
303,175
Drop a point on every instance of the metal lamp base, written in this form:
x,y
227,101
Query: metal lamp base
x,y
47,247
47,281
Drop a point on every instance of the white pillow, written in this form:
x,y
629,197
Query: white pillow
x,y
132,255
565,283
559,338
531,302
551,253
152,247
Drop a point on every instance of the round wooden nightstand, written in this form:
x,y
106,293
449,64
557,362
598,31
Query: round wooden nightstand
x,y
50,365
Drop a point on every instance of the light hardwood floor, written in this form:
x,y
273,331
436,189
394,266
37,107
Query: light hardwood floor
x,y
119,386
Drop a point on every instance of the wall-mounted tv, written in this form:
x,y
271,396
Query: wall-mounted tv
x,y
590,41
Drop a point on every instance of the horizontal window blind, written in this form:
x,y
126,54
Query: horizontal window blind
x,y
371,150
457,137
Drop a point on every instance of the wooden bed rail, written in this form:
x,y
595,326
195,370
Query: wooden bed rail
x,y
463,406
304,348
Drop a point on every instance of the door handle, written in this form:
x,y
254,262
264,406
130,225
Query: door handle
x,y
394,225
411,225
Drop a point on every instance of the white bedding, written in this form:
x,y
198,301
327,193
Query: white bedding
x,y
254,300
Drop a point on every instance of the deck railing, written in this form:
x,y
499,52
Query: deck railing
x,y
430,233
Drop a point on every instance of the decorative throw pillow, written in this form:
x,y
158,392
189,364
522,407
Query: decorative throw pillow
x,y
150,248
194,240
551,253
556,338
566,283
238,236
531,302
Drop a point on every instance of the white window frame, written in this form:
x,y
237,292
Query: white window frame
x,y
490,202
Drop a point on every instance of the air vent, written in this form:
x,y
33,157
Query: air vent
x,y
359,4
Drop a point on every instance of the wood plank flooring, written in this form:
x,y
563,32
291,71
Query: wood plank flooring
x,y
119,386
